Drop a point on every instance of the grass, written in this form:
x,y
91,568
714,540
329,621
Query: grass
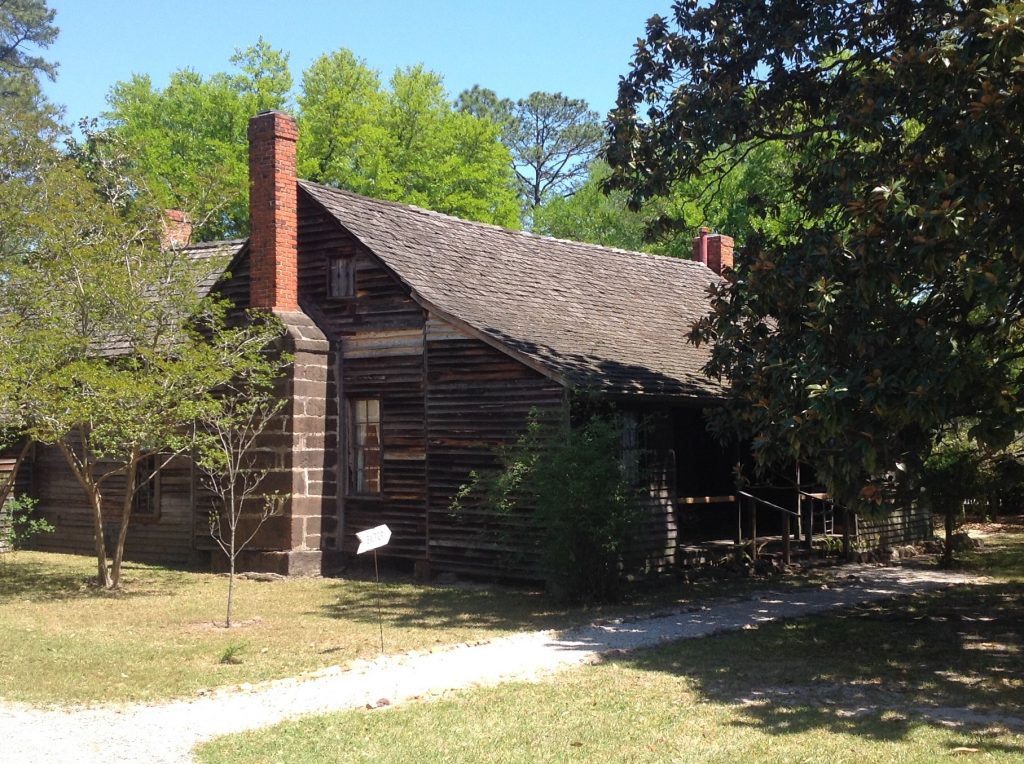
x,y
65,641
918,680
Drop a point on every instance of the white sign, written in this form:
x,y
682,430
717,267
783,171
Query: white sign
x,y
372,538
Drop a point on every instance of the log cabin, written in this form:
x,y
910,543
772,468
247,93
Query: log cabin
x,y
420,344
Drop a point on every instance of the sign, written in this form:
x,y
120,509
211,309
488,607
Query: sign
x,y
373,538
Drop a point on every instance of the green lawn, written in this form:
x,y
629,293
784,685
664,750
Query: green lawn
x,y
65,641
919,680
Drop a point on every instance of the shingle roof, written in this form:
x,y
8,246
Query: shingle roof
x,y
217,254
220,254
594,317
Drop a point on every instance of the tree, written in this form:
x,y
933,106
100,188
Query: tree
x,y
568,482
226,439
189,139
340,138
24,24
747,198
552,139
888,304
949,476
29,131
404,143
593,216
109,349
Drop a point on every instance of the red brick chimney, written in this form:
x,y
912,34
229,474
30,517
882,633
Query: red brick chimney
x,y
175,230
273,213
714,250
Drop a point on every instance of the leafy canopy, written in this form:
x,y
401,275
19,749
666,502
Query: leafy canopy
x,y
747,197
402,142
887,304
189,139
552,139
25,26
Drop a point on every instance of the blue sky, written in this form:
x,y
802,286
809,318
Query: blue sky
x,y
577,47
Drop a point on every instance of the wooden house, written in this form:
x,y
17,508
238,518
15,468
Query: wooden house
x,y
421,342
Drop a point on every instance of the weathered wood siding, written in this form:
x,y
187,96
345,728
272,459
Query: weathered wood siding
x,y
478,399
657,536
907,525
165,537
378,337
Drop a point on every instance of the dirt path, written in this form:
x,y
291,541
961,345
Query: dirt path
x,y
168,732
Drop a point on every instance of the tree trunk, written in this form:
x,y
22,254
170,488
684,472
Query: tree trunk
x,y
126,512
83,473
231,581
947,552
103,573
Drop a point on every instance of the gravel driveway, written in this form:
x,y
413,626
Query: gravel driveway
x,y
168,732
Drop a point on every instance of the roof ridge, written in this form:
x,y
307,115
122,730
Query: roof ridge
x,y
217,242
507,231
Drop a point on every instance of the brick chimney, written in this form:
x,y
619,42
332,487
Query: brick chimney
x,y
175,230
714,250
273,213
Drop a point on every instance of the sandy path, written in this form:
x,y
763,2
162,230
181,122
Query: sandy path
x,y
168,732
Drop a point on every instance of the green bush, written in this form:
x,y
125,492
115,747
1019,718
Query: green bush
x,y
569,482
18,523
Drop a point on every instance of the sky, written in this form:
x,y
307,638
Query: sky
x,y
576,47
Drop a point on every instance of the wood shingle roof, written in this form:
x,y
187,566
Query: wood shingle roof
x,y
592,317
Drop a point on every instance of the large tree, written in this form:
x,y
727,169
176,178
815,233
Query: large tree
x,y
189,138
403,142
552,138
889,303
25,27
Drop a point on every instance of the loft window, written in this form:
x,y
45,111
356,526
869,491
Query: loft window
x,y
365,446
341,277
147,489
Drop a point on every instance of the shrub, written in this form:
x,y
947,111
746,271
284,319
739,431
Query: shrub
x,y
569,482
18,523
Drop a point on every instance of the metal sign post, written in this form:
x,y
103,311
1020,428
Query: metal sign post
x,y
371,540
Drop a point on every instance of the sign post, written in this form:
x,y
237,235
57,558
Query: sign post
x,y
371,540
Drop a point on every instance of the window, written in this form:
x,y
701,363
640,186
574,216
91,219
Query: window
x,y
365,446
341,277
632,448
146,503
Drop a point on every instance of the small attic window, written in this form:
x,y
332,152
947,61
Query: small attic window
x,y
341,277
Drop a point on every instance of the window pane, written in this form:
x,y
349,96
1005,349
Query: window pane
x,y
366,457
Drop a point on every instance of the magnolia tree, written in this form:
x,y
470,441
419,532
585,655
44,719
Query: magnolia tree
x,y
886,307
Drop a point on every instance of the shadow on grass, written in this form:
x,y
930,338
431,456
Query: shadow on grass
x,y
950,659
522,608
405,605
26,579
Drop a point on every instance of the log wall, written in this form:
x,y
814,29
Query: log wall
x,y
378,338
164,537
478,399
